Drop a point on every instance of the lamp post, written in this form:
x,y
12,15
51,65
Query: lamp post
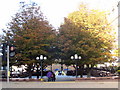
x,y
8,60
8,71
61,69
76,57
41,58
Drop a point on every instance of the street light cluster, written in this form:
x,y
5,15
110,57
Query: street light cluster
x,y
41,58
76,57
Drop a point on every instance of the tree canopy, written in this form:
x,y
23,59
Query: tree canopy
x,y
85,32
89,34
31,34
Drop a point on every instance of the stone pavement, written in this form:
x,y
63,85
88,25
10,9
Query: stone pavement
x,y
60,84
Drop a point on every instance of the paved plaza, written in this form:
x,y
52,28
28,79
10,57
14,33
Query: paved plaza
x,y
63,82
60,84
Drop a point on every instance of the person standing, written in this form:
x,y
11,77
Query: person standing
x,y
49,75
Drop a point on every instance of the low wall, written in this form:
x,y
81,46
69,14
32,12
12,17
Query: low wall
x,y
98,78
25,80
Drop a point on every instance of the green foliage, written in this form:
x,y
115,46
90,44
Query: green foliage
x,y
87,33
31,33
118,71
119,68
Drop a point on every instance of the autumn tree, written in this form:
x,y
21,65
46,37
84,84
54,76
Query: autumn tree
x,y
89,34
32,35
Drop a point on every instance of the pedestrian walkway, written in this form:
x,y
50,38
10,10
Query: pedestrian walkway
x,y
68,78
58,78
67,84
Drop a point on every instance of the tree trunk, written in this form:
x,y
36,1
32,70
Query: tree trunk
x,y
81,70
88,70
29,71
37,72
51,67
91,69
30,74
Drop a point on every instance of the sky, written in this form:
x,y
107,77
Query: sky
x,y
54,10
